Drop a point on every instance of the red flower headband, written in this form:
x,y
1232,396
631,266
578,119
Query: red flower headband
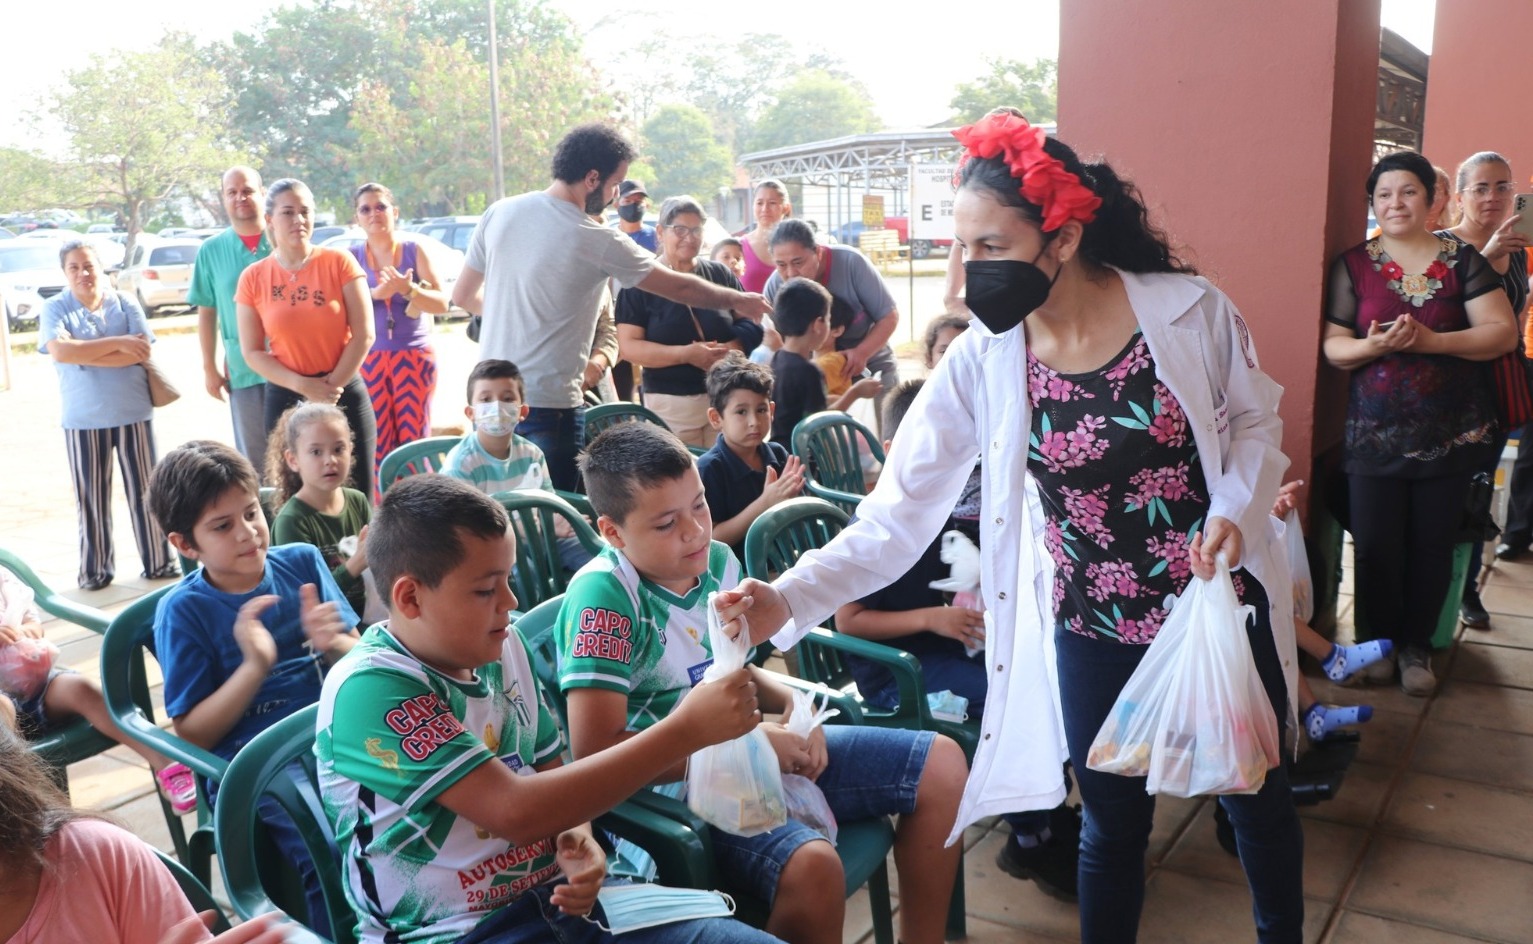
x,y
1045,181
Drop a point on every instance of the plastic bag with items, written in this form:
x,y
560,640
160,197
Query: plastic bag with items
x,y
24,666
1194,718
1298,567
735,785
806,802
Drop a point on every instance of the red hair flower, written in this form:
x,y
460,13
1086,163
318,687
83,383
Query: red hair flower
x,y
1045,182
1436,270
1392,271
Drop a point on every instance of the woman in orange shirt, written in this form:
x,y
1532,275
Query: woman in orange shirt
x,y
305,323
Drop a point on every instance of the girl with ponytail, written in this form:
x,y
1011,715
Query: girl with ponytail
x,y
1126,388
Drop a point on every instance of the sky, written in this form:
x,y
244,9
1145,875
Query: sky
x,y
909,64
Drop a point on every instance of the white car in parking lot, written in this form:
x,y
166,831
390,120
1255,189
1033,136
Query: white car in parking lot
x,y
159,273
30,274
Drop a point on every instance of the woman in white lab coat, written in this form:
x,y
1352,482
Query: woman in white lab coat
x,y
1130,398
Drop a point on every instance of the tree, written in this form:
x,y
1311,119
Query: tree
x,y
680,145
813,106
1032,88
143,126
29,180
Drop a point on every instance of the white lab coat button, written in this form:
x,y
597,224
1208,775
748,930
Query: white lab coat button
x,y
1209,427
1002,594
999,668
1000,521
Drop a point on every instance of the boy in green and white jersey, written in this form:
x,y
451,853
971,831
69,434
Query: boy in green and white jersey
x,y
439,761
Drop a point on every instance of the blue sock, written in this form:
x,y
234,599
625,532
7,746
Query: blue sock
x,y
1321,720
1345,660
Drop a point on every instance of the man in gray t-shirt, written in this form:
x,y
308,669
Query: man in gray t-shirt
x,y
535,269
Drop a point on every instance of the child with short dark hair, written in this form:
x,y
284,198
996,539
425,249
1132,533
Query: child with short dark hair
x,y
439,758
802,316
632,641
492,457
308,461
908,614
743,474
244,640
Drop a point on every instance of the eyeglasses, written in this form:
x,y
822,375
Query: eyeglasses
x,y
695,232
1481,191
370,208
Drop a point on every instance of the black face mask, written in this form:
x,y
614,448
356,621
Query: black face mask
x,y
631,212
595,202
1002,292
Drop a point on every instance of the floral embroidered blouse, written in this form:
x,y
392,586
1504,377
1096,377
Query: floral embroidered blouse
x,y
1123,491
1415,415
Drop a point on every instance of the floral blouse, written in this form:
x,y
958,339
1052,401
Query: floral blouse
x,y
1122,489
1415,415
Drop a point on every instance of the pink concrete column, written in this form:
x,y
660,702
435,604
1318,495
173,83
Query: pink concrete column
x,y
1474,103
1248,127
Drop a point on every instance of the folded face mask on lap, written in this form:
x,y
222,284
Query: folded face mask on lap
x,y
631,907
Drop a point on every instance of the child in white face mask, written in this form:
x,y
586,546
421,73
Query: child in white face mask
x,y
493,458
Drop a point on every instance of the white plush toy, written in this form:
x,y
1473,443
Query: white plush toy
x,y
962,557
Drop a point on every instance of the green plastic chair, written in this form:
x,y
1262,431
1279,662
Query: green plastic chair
x,y
257,876
827,445
773,544
423,455
600,418
863,845
538,574
75,741
125,652
196,893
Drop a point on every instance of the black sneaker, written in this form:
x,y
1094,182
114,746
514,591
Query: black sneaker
x,y
1511,550
1052,865
1471,611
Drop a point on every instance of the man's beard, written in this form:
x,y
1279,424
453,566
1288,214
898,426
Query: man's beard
x,y
594,203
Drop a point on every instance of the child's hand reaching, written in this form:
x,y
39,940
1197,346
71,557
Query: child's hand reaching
x,y
958,622
719,711
584,865
250,634
322,623
8,634
1287,498
784,485
865,388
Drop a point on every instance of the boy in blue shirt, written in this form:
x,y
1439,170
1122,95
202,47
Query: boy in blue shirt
x,y
244,640
632,640
439,759
743,474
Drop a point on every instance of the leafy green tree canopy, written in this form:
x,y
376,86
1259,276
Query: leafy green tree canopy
x,y
1031,87
812,106
679,145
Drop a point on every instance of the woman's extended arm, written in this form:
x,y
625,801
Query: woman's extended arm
x,y
359,317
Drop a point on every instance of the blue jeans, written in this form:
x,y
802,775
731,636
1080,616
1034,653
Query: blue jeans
x,y
560,434
1118,813
871,772
532,919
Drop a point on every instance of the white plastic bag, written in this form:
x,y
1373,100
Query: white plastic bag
x,y
806,802
963,580
735,785
1194,718
1298,567
24,666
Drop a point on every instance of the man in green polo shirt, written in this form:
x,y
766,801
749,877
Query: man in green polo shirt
x,y
219,264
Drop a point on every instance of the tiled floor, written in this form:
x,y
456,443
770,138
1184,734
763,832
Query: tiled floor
x,y
1429,842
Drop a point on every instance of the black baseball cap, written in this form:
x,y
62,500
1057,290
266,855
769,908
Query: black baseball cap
x,y
631,186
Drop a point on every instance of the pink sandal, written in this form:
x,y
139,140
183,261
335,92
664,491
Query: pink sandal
x,y
179,786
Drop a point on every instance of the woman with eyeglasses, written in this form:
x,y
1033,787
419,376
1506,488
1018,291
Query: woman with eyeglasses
x,y
1413,316
305,323
400,369
676,343
1486,189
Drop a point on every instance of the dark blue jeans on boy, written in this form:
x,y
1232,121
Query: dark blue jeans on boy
x,y
1119,814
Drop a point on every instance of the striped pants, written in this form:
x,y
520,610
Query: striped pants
x,y
401,384
90,466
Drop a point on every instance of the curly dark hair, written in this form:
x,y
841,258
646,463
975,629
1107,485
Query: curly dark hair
x,y
594,146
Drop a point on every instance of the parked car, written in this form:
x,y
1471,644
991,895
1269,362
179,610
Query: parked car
x,y
159,272
446,261
6,234
323,233
454,231
920,249
30,274
101,228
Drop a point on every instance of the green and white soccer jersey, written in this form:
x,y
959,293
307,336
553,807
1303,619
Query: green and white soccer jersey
x,y
621,632
392,735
